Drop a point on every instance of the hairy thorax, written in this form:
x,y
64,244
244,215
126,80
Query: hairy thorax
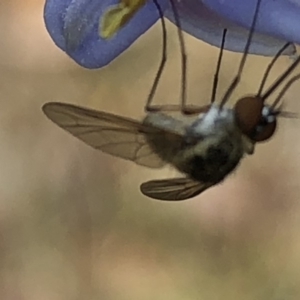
x,y
206,149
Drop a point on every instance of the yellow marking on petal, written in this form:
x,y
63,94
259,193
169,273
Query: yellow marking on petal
x,y
117,16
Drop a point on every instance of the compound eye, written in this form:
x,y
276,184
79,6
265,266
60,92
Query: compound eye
x,y
248,113
264,132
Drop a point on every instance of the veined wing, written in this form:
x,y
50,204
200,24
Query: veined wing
x,y
115,135
174,189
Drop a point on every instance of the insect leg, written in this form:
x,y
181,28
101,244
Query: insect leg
x,y
279,80
267,72
283,91
148,106
189,109
237,78
183,55
216,76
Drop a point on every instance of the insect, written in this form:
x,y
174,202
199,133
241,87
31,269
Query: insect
x,y
206,144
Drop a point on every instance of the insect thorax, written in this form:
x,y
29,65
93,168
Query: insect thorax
x,y
207,150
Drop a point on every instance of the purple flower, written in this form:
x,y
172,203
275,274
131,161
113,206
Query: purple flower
x,y
76,26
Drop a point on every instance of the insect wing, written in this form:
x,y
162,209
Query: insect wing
x,y
115,135
174,189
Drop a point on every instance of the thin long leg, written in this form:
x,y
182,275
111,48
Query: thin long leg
x,y
237,78
216,76
148,106
163,58
189,109
267,72
283,91
279,80
183,54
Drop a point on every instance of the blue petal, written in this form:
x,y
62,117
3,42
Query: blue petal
x,y
73,25
279,18
205,24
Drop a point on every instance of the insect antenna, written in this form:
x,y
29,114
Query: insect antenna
x,y
216,76
237,78
148,106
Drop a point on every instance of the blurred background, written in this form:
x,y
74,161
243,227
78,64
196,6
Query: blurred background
x,y
73,223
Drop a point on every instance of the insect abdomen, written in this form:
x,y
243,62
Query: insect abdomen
x,y
213,162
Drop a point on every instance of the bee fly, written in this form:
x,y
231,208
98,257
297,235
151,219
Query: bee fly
x,y
206,144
